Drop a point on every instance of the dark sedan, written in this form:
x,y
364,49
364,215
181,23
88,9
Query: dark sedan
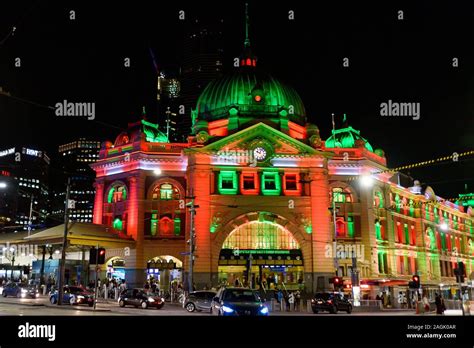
x,y
74,295
20,291
331,302
238,302
140,298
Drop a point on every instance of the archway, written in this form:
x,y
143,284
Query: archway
x,y
115,268
165,271
261,254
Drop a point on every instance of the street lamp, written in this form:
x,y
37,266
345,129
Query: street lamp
x,y
366,181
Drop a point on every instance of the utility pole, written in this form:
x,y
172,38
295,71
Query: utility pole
x,y
96,275
63,253
336,261
192,210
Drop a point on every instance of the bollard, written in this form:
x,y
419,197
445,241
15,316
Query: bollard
x,y
308,306
105,292
116,294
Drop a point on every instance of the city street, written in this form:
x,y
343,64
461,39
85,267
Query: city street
x,y
42,307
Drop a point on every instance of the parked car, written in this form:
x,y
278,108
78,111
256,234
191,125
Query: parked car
x,y
74,295
238,302
20,291
140,298
199,301
331,302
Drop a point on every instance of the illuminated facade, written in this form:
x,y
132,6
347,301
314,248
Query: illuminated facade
x,y
23,175
262,180
75,158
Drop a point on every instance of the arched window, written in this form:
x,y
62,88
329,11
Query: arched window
x,y
117,193
378,199
341,195
260,235
165,191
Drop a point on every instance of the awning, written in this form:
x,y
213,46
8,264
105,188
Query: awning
x,y
83,234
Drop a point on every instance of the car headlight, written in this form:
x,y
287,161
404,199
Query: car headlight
x,y
227,309
264,310
24,291
150,299
80,297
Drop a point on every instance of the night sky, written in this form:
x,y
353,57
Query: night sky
x,y
81,60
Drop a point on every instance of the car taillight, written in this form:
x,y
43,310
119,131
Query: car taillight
x,y
329,301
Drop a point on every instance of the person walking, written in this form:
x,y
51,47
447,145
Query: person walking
x,y
280,299
297,300
426,304
439,302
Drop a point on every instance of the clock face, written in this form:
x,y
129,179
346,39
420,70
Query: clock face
x,y
259,153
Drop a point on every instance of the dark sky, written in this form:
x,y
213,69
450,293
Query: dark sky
x,y
404,61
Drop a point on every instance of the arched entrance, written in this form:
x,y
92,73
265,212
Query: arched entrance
x,y
115,269
261,254
165,271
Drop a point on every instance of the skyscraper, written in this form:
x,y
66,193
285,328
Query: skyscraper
x,y
201,62
74,160
24,188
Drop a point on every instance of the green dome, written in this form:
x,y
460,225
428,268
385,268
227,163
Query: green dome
x,y
253,94
346,138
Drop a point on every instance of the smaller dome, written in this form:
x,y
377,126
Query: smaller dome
x,y
346,138
380,152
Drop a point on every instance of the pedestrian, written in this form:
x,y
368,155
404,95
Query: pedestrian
x,y
297,300
280,298
439,304
426,304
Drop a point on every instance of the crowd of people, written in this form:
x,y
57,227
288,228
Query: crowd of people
x,y
288,300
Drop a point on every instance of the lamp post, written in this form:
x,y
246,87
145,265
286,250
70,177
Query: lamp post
x,y
63,251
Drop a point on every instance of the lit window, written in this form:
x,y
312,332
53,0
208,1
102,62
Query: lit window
x,y
248,181
291,183
228,182
271,183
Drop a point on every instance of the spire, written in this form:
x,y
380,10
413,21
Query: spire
x,y
143,113
247,59
247,40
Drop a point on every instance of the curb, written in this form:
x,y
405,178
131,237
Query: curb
x,y
23,304
77,308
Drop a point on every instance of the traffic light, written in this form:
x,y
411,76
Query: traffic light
x,y
415,283
92,256
101,258
336,281
97,256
